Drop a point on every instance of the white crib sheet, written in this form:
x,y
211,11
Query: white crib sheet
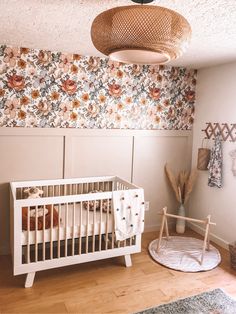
x,y
90,227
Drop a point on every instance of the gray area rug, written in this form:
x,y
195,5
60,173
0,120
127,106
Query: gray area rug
x,y
184,254
212,302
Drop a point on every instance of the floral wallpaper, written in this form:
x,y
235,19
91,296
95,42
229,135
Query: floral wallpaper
x,y
41,88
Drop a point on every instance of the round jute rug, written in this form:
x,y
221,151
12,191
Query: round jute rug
x,y
184,254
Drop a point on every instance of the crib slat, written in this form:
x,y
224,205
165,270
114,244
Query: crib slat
x,y
44,191
66,223
94,224
44,209
58,232
51,234
28,234
130,241
107,224
36,234
73,230
80,226
87,227
113,230
100,228
112,186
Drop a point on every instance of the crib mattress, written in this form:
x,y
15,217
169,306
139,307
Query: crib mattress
x,y
90,224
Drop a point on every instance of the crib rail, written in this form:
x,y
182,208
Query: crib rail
x,y
67,224
65,187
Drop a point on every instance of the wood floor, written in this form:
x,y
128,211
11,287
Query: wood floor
x,y
107,286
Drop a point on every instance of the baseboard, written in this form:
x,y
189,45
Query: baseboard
x,y
151,228
221,242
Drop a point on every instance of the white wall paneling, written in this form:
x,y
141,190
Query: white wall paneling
x,y
137,156
100,155
25,157
151,152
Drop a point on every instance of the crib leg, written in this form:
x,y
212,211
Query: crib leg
x,y
128,262
29,281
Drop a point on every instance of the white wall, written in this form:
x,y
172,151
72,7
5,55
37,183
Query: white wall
x,y
216,102
56,153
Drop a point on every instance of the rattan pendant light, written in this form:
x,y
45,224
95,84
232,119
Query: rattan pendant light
x,y
141,34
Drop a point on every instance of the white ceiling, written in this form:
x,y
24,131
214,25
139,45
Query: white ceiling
x,y
64,25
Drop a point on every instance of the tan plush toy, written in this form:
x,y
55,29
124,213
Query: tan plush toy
x,y
35,192
106,206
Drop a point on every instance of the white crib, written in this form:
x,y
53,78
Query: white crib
x,y
82,233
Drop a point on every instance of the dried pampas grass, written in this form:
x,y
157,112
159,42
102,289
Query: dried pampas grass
x,y
190,184
183,184
173,182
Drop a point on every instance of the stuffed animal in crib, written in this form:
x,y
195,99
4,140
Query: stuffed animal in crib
x,y
43,214
33,192
106,206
